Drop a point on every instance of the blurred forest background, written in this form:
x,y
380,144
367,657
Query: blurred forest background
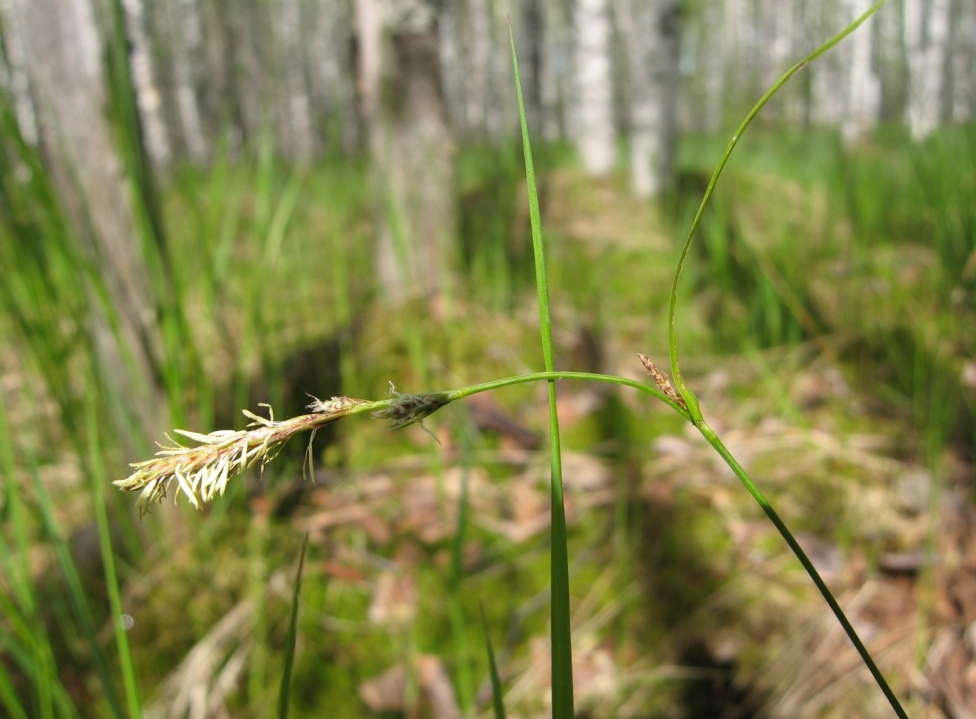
x,y
206,205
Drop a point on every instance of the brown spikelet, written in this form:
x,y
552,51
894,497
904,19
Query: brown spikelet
x,y
405,409
661,380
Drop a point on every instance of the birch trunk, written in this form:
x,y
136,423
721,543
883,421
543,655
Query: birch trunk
x,y
329,58
962,71
864,85
453,62
530,41
926,42
891,59
16,79
708,55
248,96
829,77
187,62
293,122
652,34
476,80
593,127
146,88
410,146
554,80
64,52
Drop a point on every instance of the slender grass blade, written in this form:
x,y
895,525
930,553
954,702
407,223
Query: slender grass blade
x,y
284,693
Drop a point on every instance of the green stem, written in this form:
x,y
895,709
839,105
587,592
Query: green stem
x,y
133,705
577,376
743,476
561,638
683,390
694,411
757,494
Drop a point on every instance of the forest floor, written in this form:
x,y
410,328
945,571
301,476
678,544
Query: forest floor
x,y
836,369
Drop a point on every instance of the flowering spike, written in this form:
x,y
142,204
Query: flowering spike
x,y
202,472
661,380
406,409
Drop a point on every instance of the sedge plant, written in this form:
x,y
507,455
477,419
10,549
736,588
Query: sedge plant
x,y
202,469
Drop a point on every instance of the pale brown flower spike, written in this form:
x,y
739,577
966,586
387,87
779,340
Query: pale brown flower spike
x,y
661,380
202,471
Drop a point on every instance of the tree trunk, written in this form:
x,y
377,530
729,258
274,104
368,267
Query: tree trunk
x,y
891,63
331,78
554,80
16,77
410,144
64,53
926,41
531,39
175,37
652,32
829,73
475,56
245,104
146,88
962,71
187,40
296,140
593,127
864,85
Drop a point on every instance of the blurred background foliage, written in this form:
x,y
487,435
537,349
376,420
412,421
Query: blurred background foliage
x,y
200,266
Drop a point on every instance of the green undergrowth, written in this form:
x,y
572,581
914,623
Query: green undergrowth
x,y
865,251
829,291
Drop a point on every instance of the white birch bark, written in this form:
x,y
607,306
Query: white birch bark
x,y
332,77
554,71
368,18
828,96
963,61
712,58
926,44
64,52
452,62
147,93
774,49
651,30
17,81
294,127
462,77
740,79
500,87
593,126
890,56
477,41
864,85
251,80
529,30
186,38
410,145
716,57
476,68
794,102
